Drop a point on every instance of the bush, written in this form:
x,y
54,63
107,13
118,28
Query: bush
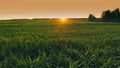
x,y
91,17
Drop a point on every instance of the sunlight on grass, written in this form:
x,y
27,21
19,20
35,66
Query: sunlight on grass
x,y
63,19
49,44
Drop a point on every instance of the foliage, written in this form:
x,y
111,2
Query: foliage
x,y
91,17
111,16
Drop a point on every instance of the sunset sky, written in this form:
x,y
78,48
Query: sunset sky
x,y
10,9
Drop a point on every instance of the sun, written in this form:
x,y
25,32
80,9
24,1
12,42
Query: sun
x,y
63,19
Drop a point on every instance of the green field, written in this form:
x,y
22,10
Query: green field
x,y
48,44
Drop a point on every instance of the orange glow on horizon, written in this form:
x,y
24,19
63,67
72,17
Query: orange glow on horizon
x,y
63,19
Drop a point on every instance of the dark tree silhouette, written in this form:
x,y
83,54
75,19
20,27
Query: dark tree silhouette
x,y
111,16
117,14
91,17
107,16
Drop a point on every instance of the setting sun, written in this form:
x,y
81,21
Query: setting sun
x,y
63,19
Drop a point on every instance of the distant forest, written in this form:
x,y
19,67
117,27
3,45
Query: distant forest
x,y
107,16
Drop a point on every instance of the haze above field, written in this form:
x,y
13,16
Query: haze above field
x,y
13,9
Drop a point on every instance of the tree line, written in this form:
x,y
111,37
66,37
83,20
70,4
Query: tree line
x,y
107,16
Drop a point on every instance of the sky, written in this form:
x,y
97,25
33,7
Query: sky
x,y
15,9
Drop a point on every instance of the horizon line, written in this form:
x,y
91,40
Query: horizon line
x,y
44,18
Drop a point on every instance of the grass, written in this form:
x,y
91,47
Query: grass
x,y
48,44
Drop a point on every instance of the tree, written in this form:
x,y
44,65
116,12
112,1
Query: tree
x,y
111,16
91,17
107,16
117,14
